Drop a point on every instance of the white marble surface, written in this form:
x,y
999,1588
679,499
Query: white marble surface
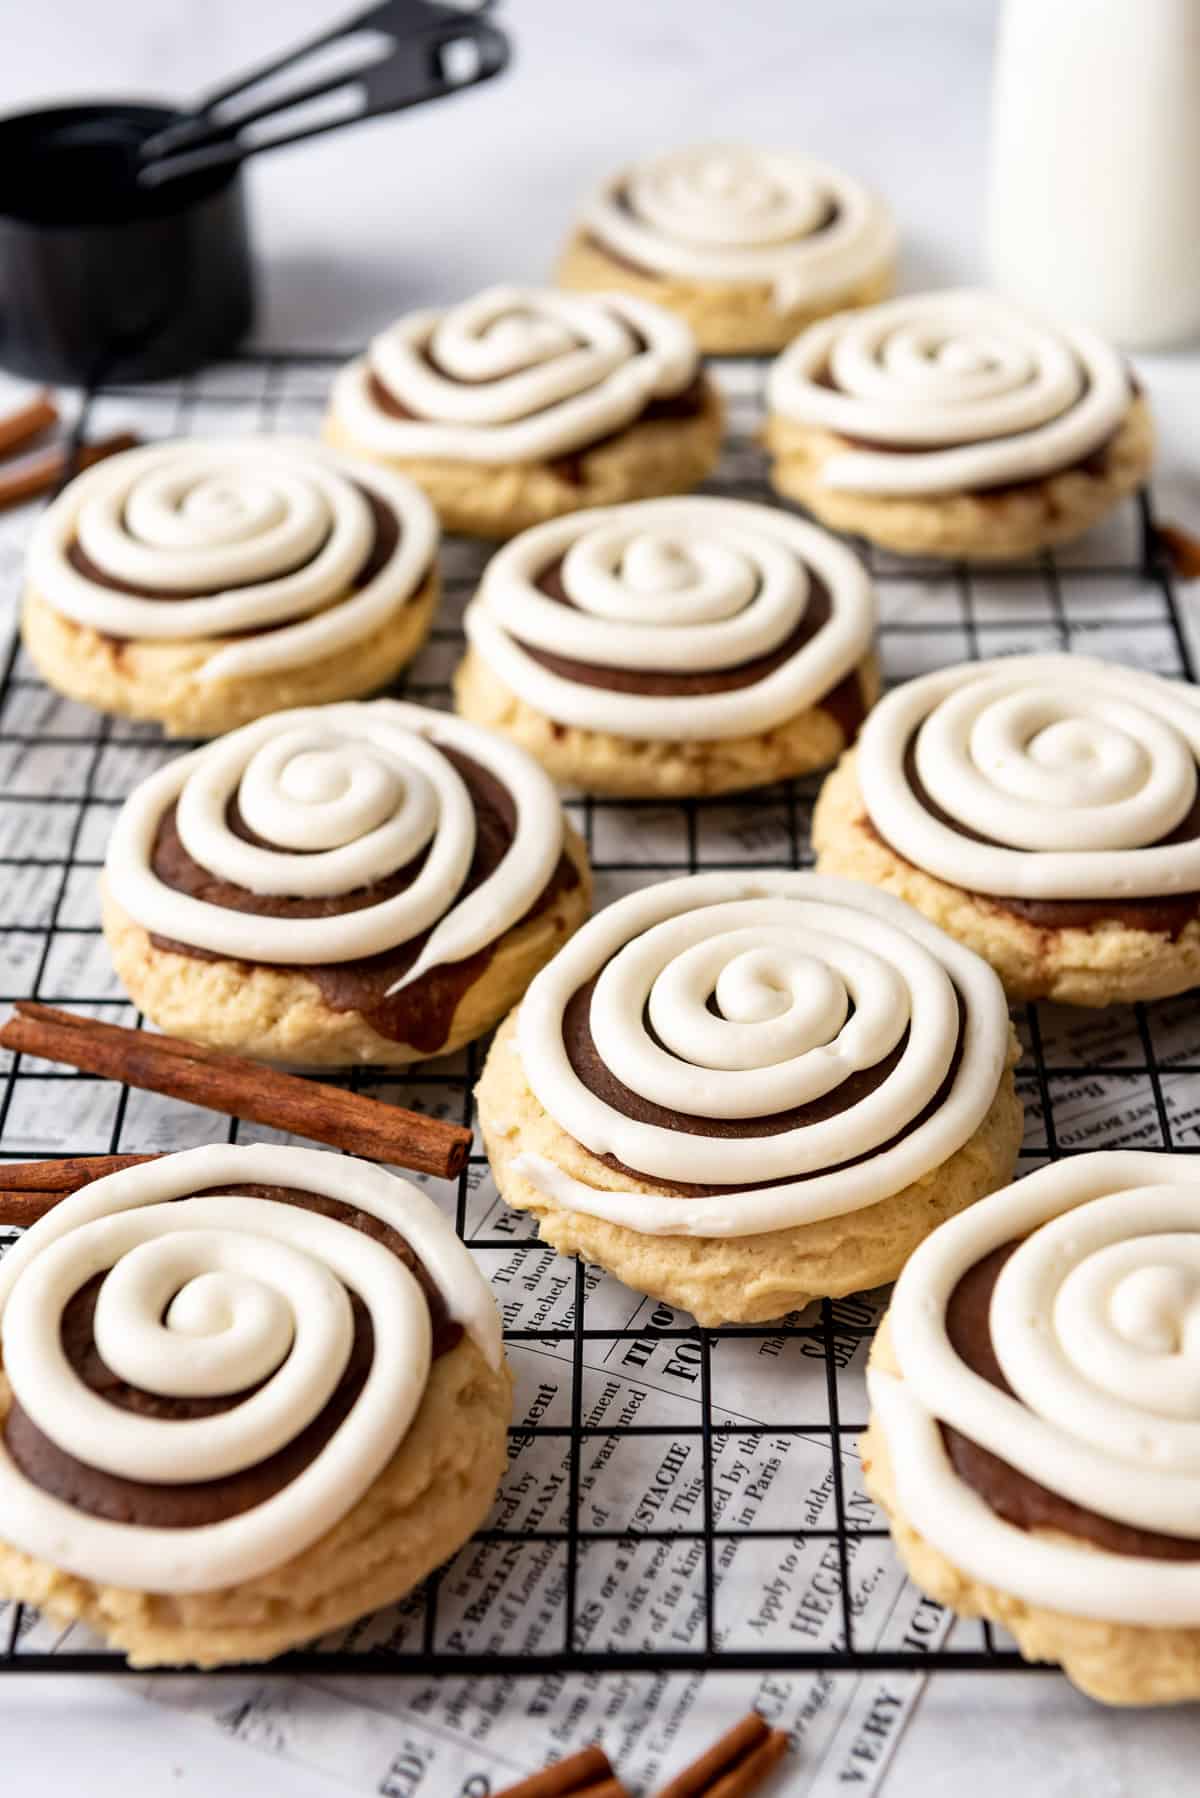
x,y
353,229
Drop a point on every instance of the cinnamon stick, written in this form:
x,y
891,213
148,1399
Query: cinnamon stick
x,y
240,1088
39,474
588,1773
20,1209
27,422
65,1175
749,1774
28,1189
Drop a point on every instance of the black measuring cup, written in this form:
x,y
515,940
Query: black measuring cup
x,y
124,245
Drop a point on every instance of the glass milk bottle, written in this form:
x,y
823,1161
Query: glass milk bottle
x,y
1094,209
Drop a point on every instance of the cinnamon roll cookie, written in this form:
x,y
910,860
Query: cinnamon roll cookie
x,y
1045,810
522,404
955,424
675,646
1035,1415
350,883
742,1092
246,1396
203,583
747,245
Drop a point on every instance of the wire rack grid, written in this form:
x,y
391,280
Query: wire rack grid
x,y
642,1492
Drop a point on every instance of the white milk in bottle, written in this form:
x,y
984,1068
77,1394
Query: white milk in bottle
x,y
1094,210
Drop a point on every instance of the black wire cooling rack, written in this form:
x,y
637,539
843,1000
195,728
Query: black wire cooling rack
x,y
1087,1083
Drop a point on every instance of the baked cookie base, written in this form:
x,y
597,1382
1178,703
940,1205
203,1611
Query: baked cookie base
x,y
1117,1663
1108,964
748,1279
164,682
437,1488
998,525
728,318
279,1014
641,768
647,460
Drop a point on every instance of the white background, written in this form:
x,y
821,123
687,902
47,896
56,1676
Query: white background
x,y
354,229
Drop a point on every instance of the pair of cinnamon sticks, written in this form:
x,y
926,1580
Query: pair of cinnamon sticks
x,y
226,1083
41,472
588,1774
733,1767
28,1189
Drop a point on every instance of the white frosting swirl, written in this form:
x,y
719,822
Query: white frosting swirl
x,y
951,391
732,214
344,795
1073,769
1095,1320
517,374
258,535
683,585
222,1297
814,980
